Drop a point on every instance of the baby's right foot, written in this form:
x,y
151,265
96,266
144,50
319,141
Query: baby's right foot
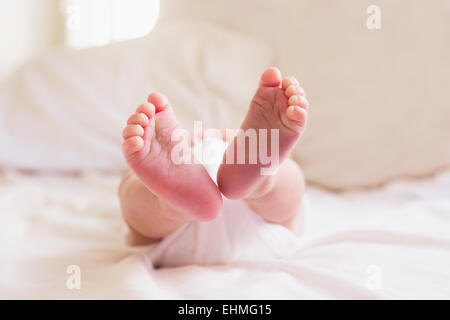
x,y
147,148
278,112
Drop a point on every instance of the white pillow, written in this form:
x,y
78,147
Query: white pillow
x,y
379,98
65,110
379,105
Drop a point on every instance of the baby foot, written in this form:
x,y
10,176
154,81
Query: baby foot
x,y
278,104
147,148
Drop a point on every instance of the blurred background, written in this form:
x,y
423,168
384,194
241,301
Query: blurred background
x,y
376,153
28,27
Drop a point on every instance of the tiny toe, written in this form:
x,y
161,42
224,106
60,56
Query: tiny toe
x,y
271,78
289,81
146,108
298,100
132,130
293,89
296,113
285,83
159,100
132,145
138,118
294,100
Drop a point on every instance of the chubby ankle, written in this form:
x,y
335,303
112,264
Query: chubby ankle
x,y
262,189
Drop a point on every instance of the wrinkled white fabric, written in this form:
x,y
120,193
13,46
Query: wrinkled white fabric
x,y
389,243
237,234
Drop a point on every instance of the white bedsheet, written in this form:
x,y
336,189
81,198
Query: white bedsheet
x,y
390,243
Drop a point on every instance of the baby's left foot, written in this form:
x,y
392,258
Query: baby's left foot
x,y
279,106
148,148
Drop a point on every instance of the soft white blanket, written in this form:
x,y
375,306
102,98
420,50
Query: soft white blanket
x,y
390,243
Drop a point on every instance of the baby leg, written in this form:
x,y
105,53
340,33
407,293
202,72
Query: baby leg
x,y
162,194
149,217
278,199
279,106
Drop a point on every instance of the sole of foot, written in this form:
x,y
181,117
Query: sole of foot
x,y
277,110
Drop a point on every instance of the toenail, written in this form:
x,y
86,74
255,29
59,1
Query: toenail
x,y
304,102
152,107
294,100
290,111
132,130
159,100
138,118
147,108
291,90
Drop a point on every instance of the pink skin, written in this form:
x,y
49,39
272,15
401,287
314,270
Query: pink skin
x,y
159,197
278,104
147,149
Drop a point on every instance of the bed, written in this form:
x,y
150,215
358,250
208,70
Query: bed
x,y
377,206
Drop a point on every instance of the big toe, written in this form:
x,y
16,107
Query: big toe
x,y
159,100
164,114
271,78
